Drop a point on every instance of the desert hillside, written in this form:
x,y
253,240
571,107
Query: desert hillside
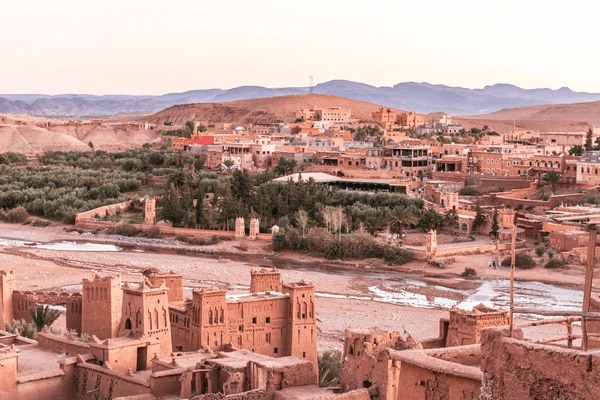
x,y
264,110
32,140
585,112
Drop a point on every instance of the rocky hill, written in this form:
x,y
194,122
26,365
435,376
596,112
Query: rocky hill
x,y
264,110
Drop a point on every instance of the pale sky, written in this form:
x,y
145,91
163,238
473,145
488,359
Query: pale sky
x,y
156,47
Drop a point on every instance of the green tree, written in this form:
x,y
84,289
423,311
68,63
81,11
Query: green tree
x,y
451,219
228,163
330,368
495,226
576,150
199,209
552,177
189,126
202,128
43,315
404,215
285,166
479,218
431,219
588,139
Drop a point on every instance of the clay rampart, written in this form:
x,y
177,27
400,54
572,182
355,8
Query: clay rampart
x,y
514,369
62,345
103,211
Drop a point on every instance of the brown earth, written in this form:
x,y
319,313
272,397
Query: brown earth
x,y
264,110
32,140
551,117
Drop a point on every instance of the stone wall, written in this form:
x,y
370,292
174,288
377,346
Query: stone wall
x,y
42,386
516,370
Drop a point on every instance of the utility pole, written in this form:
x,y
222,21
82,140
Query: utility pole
x,y
512,275
587,287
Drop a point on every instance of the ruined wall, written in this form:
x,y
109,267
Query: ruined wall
x,y
110,383
22,302
516,370
265,280
421,382
465,327
366,362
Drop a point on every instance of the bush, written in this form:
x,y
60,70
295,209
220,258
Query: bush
x,y
540,249
550,253
25,329
396,256
468,191
181,238
518,207
554,263
17,215
330,368
522,261
152,233
40,222
124,230
468,272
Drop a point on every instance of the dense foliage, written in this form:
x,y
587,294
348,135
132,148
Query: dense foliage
x,y
60,193
522,261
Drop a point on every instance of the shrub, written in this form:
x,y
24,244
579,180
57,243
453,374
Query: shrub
x,y
519,207
330,368
17,215
468,191
522,261
214,239
181,238
40,222
468,272
152,233
396,256
2,215
25,329
540,249
550,253
554,263
124,230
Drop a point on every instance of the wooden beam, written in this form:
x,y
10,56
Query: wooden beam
x,y
558,313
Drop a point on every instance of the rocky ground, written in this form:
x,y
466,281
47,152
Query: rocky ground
x,y
347,291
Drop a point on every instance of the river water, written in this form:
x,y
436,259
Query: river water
x,y
63,246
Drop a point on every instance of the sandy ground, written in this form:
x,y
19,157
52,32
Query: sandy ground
x,y
38,269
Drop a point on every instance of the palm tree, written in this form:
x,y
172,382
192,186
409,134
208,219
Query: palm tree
x,y
451,219
228,164
43,316
552,177
404,216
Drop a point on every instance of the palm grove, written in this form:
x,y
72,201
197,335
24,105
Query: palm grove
x,y
311,216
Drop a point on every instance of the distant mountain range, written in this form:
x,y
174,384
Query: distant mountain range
x,y
418,97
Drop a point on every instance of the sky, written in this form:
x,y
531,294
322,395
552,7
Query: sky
x,y
156,47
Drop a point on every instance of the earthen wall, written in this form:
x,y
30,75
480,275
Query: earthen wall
x,y
514,369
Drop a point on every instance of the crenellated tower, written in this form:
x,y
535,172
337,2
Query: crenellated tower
x,y
209,317
101,306
265,280
7,287
145,314
302,332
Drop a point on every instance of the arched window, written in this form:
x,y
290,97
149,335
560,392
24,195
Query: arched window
x,y
127,323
